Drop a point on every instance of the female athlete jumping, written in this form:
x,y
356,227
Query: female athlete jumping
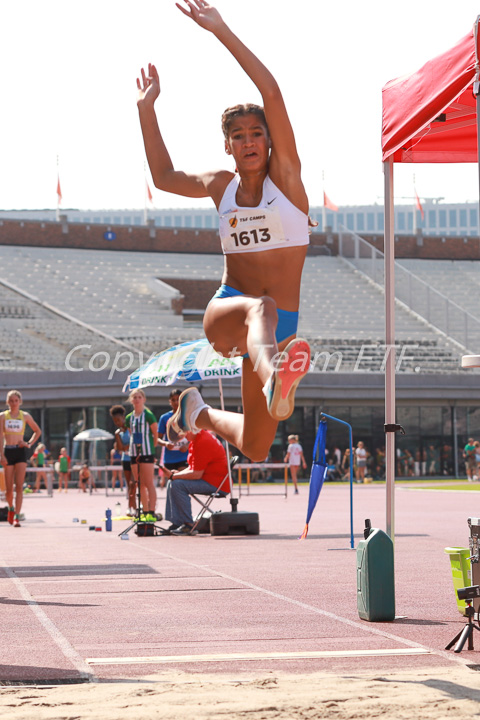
x,y
263,209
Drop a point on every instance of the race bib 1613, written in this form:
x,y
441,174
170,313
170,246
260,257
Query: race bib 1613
x,y
251,230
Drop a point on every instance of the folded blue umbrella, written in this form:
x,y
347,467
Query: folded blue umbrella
x,y
317,474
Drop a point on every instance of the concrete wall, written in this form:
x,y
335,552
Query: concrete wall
x,y
153,239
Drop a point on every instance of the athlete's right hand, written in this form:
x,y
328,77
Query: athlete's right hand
x,y
148,86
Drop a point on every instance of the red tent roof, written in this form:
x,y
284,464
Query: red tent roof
x,y
430,116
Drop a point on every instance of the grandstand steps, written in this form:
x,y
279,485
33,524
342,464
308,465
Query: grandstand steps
x,y
119,293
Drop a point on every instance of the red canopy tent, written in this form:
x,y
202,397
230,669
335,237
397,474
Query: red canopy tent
x,y
429,116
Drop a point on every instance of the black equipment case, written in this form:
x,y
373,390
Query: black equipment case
x,y
235,522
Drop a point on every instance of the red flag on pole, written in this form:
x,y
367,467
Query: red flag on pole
x,y
419,205
328,203
149,194
59,191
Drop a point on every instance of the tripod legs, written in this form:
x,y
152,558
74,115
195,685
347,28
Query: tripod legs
x,y
465,634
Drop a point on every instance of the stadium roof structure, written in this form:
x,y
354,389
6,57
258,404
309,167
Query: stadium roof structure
x,y
429,116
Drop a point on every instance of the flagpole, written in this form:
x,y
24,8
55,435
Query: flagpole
x,y
324,209
57,214
414,206
145,211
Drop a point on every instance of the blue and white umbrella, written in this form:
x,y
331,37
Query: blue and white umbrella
x,y
193,361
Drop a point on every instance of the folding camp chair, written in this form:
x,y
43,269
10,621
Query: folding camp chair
x,y
219,493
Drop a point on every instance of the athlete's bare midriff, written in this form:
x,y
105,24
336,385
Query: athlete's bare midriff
x,y
276,273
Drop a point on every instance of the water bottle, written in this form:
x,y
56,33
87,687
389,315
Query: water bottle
x,y
108,521
118,509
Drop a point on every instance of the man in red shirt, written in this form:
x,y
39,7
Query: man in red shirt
x,y
207,468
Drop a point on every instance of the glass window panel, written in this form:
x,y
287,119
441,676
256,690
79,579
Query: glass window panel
x,y
431,421
361,422
473,422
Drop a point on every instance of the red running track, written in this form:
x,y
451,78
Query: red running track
x,y
80,605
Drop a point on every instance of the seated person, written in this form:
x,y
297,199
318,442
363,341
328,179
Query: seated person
x,y
206,469
83,478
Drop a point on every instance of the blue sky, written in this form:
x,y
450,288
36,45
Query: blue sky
x,y
68,89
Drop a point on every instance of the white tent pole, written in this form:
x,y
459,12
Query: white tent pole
x,y
227,447
389,254
476,92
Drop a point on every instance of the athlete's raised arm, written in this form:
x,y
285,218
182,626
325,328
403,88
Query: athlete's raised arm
x,y
284,166
164,175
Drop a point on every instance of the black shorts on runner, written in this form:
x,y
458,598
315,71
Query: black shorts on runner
x,y
127,465
15,454
176,465
142,459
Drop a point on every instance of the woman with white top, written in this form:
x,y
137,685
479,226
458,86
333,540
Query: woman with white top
x,y
14,451
263,209
295,457
360,461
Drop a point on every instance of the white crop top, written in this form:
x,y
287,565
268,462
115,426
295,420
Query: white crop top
x,y
274,223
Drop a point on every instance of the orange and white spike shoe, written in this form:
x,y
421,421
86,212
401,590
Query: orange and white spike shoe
x,y
283,382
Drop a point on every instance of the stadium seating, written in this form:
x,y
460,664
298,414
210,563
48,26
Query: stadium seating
x,y
119,294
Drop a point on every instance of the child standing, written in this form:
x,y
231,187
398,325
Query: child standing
x,y
63,469
39,460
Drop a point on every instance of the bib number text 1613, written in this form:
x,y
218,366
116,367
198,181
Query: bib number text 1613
x,y
248,236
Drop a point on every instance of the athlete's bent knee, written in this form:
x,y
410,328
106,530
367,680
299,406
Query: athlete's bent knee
x,y
265,307
256,450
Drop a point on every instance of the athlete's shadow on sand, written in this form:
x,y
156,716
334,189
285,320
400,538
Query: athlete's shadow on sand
x,y
9,601
459,692
312,536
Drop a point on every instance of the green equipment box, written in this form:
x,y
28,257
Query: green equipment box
x,y
375,576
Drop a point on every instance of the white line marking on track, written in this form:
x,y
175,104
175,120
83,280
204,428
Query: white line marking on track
x,y
306,655
364,627
69,652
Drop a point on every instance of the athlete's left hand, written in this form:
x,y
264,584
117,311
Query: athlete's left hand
x,y
203,14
